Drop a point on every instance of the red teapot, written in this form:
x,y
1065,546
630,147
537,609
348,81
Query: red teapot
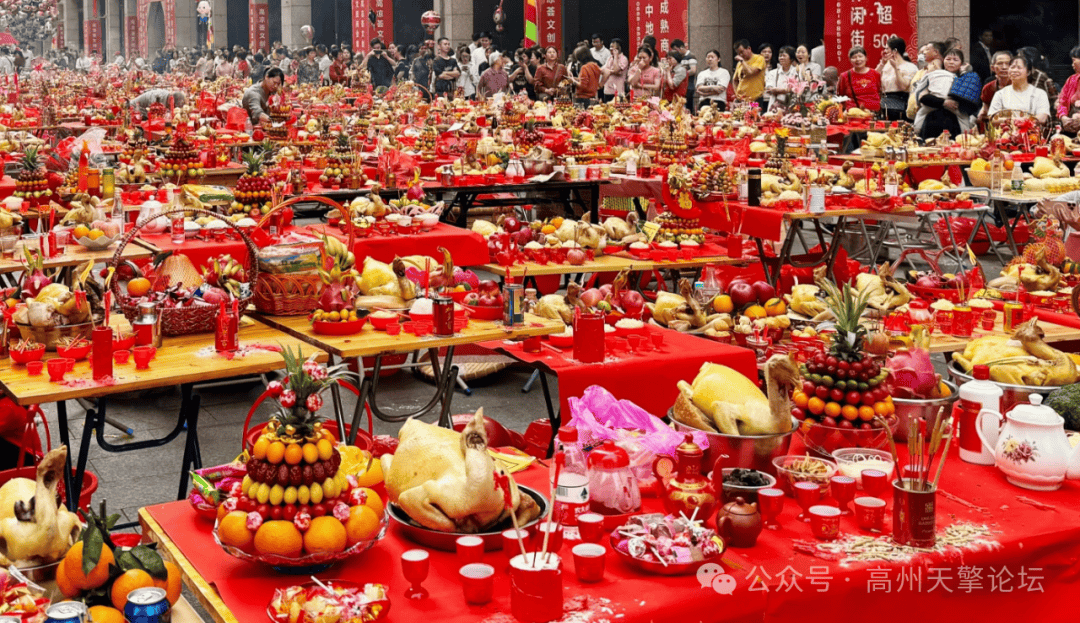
x,y
685,489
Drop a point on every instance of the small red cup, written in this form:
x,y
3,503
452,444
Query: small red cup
x,y
532,344
70,363
121,356
142,355
658,340
393,328
470,549
589,561
591,527
875,482
422,328
407,327
634,341
554,538
33,368
57,368
825,522
870,513
477,582
510,542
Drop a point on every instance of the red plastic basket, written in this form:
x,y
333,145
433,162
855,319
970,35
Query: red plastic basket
x,y
89,483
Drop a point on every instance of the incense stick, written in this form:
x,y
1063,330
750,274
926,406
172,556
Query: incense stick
x,y
560,460
941,463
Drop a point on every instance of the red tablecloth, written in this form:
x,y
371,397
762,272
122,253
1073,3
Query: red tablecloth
x,y
1065,320
7,186
648,379
197,250
1031,576
467,247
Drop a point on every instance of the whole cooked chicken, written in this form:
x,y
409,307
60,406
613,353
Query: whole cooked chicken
x,y
681,311
447,481
558,307
33,527
1022,359
723,400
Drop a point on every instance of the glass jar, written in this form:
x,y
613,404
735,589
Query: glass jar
x,y
613,489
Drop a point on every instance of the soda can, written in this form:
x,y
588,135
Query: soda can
x,y
10,619
108,183
147,605
513,304
67,612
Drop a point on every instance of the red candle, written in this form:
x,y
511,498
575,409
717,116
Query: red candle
x,y
102,340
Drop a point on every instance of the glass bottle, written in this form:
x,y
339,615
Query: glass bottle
x,y
572,490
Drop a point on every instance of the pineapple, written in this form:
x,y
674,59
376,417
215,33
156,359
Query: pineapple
x,y
253,189
847,306
32,185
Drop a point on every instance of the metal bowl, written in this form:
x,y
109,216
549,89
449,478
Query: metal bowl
x,y
749,451
40,574
908,409
446,541
1013,394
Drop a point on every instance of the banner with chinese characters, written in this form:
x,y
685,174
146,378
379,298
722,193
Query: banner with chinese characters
x,y
870,24
131,36
168,8
549,24
664,19
363,30
259,26
92,29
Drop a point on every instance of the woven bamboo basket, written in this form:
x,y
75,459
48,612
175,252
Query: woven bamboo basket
x,y
295,294
182,320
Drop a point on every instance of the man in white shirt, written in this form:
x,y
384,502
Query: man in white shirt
x,y
118,60
479,55
6,66
817,55
84,63
324,62
600,53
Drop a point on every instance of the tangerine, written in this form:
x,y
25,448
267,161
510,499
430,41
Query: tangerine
x,y
275,452
63,580
258,451
97,576
80,231
850,412
95,234
280,538
755,312
325,448
800,399
363,524
233,530
815,405
294,453
832,409
311,453
866,413
373,501
370,476
138,286
775,307
105,614
127,582
326,535
722,304
172,585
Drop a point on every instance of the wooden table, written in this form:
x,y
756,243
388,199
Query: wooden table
x,y
372,343
182,361
602,264
947,343
74,255
466,197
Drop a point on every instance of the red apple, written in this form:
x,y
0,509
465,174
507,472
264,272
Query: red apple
x,y
742,294
511,224
764,291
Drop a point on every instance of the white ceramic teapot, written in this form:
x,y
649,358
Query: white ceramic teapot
x,y
1031,449
149,209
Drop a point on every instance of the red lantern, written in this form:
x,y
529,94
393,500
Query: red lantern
x,y
431,21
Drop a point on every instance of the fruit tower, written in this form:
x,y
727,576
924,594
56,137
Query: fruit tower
x,y
181,160
295,500
425,143
714,177
339,164
336,299
32,186
844,387
280,112
528,136
254,190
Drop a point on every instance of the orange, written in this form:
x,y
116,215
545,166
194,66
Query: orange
x,y
800,399
722,304
1008,165
373,501
138,286
276,452
850,412
866,413
172,584
63,580
881,409
95,234
279,537
311,453
98,575
755,311
372,476
80,231
127,582
294,453
832,409
326,535
258,451
362,525
325,448
233,530
775,307
105,614
815,405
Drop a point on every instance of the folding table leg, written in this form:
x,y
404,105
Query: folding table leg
x,y
335,394
65,439
532,379
190,408
554,416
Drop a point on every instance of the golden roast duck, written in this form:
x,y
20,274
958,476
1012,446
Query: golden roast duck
x,y
447,481
723,400
1021,359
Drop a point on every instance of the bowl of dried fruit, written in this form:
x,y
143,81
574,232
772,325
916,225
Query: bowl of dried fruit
x,y
803,468
745,483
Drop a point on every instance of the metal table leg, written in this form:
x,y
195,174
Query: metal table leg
x,y
335,394
65,439
444,379
554,416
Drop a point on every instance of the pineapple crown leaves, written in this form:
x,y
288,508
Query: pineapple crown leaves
x,y
303,384
29,161
254,161
846,304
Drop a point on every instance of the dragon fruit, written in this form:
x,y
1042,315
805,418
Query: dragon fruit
x,y
337,293
35,280
467,277
913,375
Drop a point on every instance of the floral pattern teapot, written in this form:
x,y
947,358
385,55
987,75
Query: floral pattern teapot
x,y
1031,449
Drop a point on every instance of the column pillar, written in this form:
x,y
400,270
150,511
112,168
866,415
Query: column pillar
x,y
220,19
457,24
294,14
710,27
185,23
70,24
941,19
114,14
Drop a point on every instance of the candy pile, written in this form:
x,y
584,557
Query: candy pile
x,y
334,601
668,539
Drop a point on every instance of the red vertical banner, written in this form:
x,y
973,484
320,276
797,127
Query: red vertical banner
x,y
131,35
549,25
664,19
58,40
360,26
259,27
143,12
384,19
169,7
92,30
870,24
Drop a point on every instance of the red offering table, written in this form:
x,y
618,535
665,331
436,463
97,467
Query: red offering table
x,y
467,247
1029,575
197,250
647,378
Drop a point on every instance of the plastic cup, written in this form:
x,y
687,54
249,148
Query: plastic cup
x,y
33,368
591,527
143,355
57,369
477,582
393,328
870,513
121,356
554,540
589,562
825,522
470,549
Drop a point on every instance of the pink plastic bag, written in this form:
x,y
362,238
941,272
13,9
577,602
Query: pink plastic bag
x,y
598,415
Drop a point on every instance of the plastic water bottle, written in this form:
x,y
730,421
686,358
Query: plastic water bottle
x,y
572,490
976,395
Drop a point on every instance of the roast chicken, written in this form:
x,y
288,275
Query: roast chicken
x,y
1023,359
558,307
681,311
33,527
384,286
723,400
447,481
